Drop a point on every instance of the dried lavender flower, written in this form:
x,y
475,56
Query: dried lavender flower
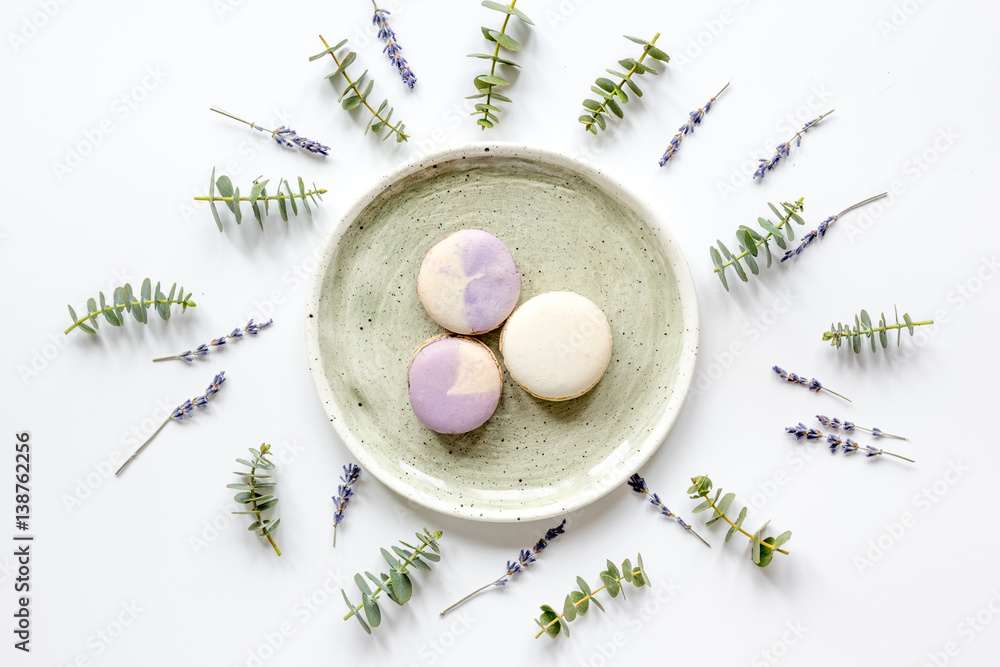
x,y
351,473
203,349
283,136
835,442
813,384
514,567
638,485
803,431
820,231
695,118
183,411
392,47
849,427
783,150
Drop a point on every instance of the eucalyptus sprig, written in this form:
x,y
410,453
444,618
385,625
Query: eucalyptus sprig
x,y
762,549
396,585
485,83
576,603
123,300
258,194
257,493
750,242
353,97
608,90
863,327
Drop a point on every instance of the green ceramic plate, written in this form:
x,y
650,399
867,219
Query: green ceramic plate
x,y
568,227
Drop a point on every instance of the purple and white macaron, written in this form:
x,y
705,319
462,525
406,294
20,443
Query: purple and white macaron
x,y
468,282
455,383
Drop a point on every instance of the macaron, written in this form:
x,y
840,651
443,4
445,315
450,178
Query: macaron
x,y
557,345
454,383
468,282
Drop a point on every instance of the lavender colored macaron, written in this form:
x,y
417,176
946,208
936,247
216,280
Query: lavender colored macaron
x,y
468,282
455,383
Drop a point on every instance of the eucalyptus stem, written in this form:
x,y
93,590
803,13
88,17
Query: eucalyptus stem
x,y
578,602
628,75
257,514
722,515
309,193
790,210
493,65
131,304
406,561
354,87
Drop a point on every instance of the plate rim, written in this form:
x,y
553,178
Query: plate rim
x,y
609,186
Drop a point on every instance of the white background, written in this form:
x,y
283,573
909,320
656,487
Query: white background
x,y
126,87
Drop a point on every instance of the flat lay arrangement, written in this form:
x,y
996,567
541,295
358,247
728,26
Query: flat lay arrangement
x,y
511,314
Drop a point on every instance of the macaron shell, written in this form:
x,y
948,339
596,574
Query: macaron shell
x,y
454,383
468,282
557,346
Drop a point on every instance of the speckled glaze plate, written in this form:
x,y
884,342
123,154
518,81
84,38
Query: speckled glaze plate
x,y
568,227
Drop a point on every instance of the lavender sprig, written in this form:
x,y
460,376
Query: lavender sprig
x,y
203,349
783,150
638,485
351,473
515,567
813,384
849,427
695,118
392,47
283,136
835,442
183,411
820,231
